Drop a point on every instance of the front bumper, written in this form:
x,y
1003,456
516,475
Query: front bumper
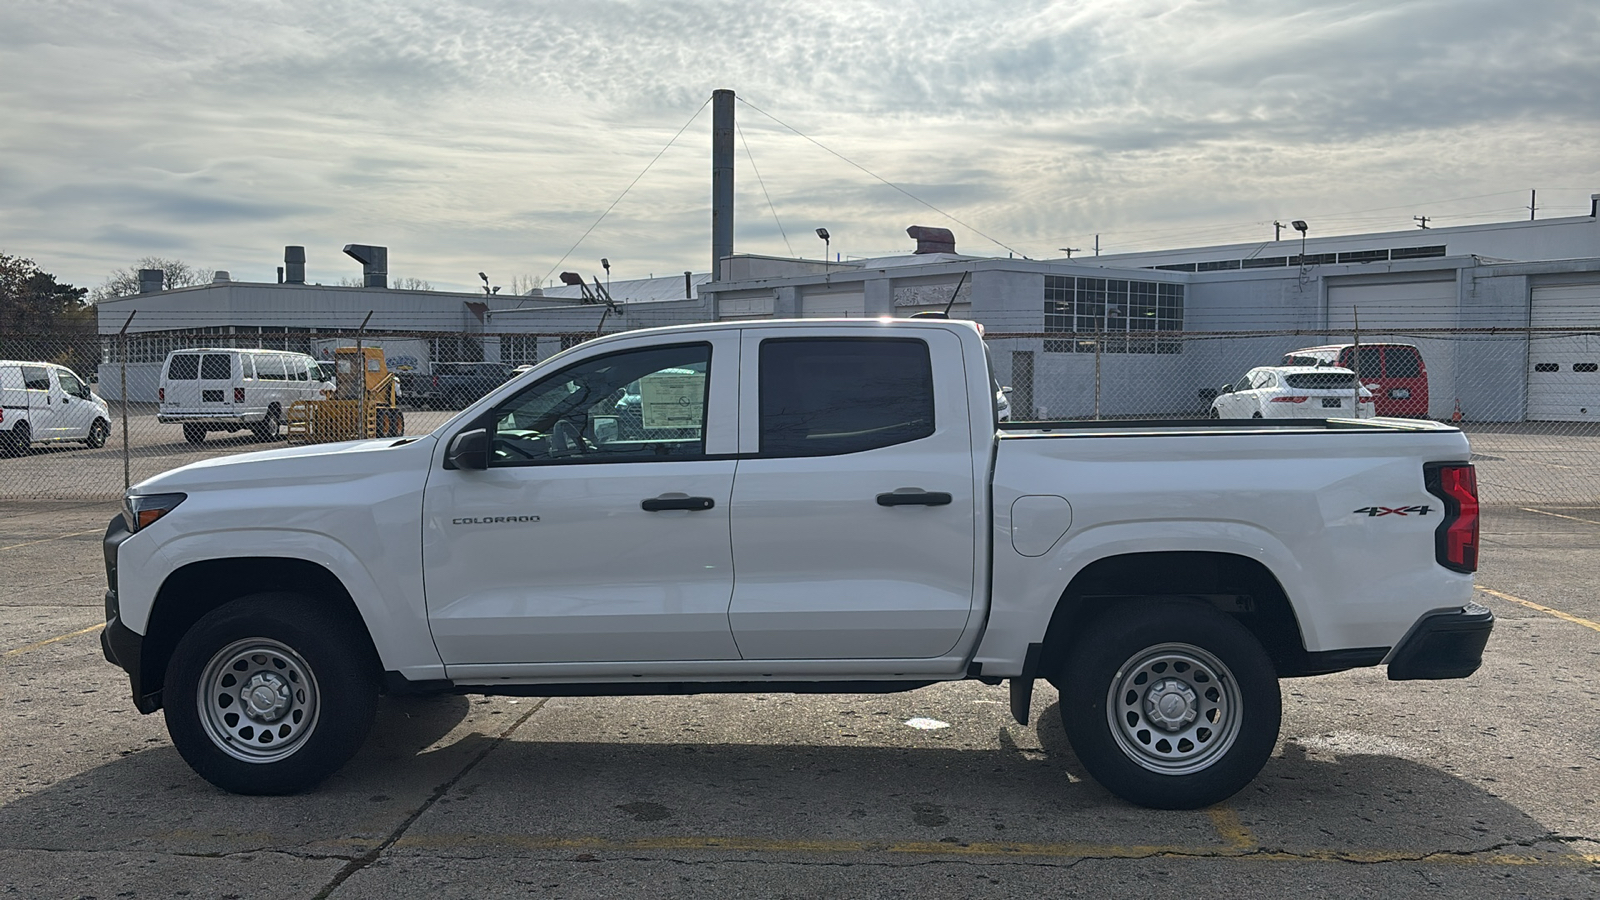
x,y
1443,644
123,647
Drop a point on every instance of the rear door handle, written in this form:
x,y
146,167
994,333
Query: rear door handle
x,y
914,497
665,502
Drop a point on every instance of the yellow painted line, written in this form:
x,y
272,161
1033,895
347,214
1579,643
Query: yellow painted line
x,y
48,641
1542,608
979,849
1227,823
1557,515
49,539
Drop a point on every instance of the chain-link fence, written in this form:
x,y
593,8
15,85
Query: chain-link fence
x,y
83,414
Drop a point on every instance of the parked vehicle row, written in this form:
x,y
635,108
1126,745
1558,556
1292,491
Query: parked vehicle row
x,y
452,385
45,403
1322,383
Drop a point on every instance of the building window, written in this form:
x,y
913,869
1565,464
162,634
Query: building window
x,y
519,349
1111,315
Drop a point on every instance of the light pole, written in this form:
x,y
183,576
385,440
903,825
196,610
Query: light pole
x,y
606,264
826,245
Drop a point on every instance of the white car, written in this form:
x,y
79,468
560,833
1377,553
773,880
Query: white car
x,y
42,402
1293,392
229,389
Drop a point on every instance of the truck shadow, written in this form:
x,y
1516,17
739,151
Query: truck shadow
x,y
479,793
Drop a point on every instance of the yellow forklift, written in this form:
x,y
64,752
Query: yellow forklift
x,y
365,402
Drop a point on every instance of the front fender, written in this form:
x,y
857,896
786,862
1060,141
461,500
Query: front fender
x,y
387,592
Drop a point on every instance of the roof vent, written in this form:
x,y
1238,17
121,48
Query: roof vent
x,y
374,263
221,276
932,240
294,265
150,280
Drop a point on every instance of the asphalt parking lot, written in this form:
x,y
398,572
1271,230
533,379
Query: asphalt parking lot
x,y
1482,787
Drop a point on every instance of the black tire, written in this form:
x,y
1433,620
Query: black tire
x,y
1256,414
1197,703
303,670
194,434
17,441
1215,413
98,432
267,428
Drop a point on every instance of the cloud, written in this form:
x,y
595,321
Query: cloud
x,y
489,134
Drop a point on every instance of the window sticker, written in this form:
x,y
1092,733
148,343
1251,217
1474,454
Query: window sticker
x,y
670,400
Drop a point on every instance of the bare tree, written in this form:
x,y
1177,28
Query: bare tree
x,y
125,282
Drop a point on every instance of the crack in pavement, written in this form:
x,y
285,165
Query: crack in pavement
x,y
371,856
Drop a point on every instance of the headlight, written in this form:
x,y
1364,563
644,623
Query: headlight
x,y
140,510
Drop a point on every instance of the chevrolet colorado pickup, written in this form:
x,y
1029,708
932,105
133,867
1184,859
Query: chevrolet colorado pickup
x,y
806,506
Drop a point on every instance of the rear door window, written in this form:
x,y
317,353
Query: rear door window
x,y
1402,362
826,396
184,367
215,367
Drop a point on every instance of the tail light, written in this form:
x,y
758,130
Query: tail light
x,y
161,394
1456,539
435,381
1290,399
238,395
1366,399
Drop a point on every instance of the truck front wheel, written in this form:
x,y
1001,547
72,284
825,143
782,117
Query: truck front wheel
x,y
270,694
1170,703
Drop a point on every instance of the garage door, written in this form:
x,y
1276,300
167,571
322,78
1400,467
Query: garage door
x,y
1394,311
850,305
1564,369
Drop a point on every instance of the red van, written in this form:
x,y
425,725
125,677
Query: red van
x,y
1396,370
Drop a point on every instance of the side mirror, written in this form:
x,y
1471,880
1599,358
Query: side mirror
x,y
1007,389
468,450
1225,389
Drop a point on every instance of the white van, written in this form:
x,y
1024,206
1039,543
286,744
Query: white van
x,y
230,389
46,403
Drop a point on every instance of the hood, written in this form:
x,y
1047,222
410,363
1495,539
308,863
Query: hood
x,y
302,465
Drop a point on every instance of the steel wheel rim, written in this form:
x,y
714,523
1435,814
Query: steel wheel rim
x,y
1174,709
258,700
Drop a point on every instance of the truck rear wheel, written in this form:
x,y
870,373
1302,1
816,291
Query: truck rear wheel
x,y
194,434
270,694
1170,704
98,432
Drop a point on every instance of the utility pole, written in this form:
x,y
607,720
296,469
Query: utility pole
x,y
1277,230
1422,221
1097,245
1069,251
1533,206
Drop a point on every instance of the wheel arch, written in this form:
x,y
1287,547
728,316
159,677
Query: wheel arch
x,y
1237,585
194,590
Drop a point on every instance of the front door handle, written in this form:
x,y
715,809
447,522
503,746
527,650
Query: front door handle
x,y
914,497
666,502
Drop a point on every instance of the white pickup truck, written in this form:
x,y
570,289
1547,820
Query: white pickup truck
x,y
806,506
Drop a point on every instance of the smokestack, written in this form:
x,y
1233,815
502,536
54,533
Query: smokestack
x,y
150,280
374,263
688,286
932,240
1594,206
294,265
721,180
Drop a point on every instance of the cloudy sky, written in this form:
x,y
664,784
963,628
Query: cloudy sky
x,y
472,135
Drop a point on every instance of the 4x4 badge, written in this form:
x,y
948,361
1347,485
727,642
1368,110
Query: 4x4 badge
x,y
1395,511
